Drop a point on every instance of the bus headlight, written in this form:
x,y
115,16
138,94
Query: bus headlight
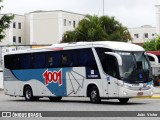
x,y
125,93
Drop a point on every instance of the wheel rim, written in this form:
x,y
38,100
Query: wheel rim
x,y
28,94
93,94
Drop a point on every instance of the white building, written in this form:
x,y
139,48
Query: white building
x,y
49,26
15,35
142,34
158,19
40,27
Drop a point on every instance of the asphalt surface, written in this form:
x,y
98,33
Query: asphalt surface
x,y
8,103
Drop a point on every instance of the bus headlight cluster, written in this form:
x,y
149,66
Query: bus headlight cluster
x,y
125,93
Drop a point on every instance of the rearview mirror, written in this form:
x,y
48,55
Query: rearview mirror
x,y
117,56
155,62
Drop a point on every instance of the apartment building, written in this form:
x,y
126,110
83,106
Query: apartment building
x,y
158,19
15,35
49,26
40,27
142,34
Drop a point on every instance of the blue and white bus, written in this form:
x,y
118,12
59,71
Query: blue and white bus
x,y
99,70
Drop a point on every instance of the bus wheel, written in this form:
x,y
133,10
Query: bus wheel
x,y
94,95
123,100
55,99
28,93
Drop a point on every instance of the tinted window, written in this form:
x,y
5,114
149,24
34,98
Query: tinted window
x,y
86,58
24,61
9,61
110,65
55,59
38,60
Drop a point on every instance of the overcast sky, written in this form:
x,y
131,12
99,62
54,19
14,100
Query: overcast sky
x,y
131,13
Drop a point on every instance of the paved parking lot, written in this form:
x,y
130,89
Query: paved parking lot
x,y
8,103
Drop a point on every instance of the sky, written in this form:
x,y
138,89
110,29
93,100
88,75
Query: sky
x,y
131,13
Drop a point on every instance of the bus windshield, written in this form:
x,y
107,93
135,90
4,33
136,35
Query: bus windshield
x,y
135,67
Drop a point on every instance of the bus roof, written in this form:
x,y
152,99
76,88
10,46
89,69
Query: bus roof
x,y
154,52
121,46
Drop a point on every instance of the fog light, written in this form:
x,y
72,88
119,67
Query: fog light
x,y
125,93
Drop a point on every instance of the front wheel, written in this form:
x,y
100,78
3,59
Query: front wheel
x,y
94,95
55,99
123,100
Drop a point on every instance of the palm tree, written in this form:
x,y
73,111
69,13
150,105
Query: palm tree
x,y
114,29
94,28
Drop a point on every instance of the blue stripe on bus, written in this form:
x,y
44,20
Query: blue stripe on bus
x,y
54,86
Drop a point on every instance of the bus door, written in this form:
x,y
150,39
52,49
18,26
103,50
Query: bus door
x,y
110,67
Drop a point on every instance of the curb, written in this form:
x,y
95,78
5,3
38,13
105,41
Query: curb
x,y
148,97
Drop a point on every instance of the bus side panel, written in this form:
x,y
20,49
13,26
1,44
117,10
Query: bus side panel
x,y
75,81
11,84
45,82
11,88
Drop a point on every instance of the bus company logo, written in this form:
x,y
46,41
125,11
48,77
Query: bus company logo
x,y
55,77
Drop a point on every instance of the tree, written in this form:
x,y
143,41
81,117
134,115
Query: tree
x,y
157,43
5,21
153,44
114,29
150,45
94,28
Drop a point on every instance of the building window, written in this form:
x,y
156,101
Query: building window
x,y
69,22
19,25
14,24
153,34
14,39
19,39
74,24
145,35
65,22
136,35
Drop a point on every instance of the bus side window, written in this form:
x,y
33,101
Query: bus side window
x,y
10,61
38,60
69,58
24,61
86,58
64,59
53,59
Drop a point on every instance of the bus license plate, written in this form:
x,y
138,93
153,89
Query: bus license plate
x,y
140,93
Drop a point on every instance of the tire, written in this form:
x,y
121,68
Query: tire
x,y
94,95
123,100
55,99
28,94
36,98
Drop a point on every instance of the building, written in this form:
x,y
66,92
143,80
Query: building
x,y
40,27
142,34
158,19
15,35
49,26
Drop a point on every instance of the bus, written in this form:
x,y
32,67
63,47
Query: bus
x,y
98,70
155,58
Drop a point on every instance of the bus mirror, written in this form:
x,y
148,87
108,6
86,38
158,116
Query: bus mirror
x,y
117,56
155,62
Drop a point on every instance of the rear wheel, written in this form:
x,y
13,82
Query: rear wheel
x,y
94,95
123,100
28,94
55,99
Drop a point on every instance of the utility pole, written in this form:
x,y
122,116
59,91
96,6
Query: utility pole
x,y
103,7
